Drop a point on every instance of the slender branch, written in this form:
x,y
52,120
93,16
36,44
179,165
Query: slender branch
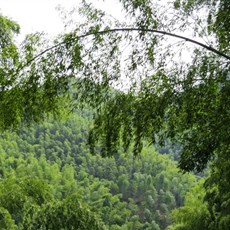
x,y
211,49
168,34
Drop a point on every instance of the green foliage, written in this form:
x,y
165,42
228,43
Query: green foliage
x,y
16,195
8,29
187,103
164,96
68,214
30,204
59,183
217,19
6,221
194,214
28,91
217,191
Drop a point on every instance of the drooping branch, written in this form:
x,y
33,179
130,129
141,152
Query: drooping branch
x,y
210,48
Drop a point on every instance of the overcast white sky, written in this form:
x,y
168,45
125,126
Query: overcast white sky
x,y
41,15
35,15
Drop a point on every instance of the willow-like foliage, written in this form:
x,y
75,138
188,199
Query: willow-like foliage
x,y
160,70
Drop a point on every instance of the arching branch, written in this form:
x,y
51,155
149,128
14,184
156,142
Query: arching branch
x,y
169,34
211,49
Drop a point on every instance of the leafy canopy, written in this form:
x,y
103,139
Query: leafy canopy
x,y
145,81
158,93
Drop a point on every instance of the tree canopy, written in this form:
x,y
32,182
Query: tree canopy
x,y
143,84
49,180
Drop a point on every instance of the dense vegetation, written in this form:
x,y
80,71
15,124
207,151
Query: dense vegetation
x,y
169,87
48,178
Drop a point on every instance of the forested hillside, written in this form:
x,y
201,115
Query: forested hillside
x,y
157,74
48,176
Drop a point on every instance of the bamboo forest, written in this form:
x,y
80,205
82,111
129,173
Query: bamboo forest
x,y
121,122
